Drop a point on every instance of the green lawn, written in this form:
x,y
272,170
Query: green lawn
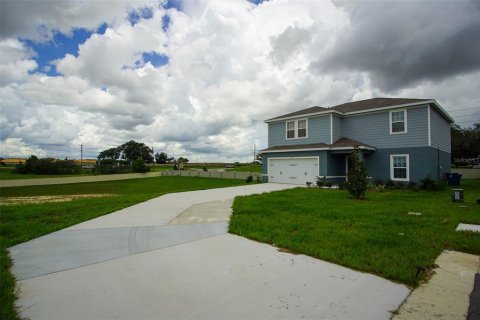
x,y
20,223
375,235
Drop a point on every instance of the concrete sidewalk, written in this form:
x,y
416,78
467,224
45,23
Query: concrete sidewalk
x,y
79,179
135,264
447,294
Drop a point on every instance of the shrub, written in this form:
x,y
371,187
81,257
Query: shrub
x,y
249,179
309,184
321,181
357,183
428,184
431,185
139,166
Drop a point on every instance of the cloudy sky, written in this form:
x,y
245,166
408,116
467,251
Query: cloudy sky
x,y
197,78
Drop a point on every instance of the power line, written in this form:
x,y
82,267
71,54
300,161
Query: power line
x,y
466,115
462,109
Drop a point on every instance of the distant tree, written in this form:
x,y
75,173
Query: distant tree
x,y
128,151
133,150
112,153
1,162
258,157
181,163
162,158
357,183
465,142
182,160
47,166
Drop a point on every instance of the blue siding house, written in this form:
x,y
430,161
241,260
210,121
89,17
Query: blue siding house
x,y
400,140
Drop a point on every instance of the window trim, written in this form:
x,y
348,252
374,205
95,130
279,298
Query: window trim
x,y
295,129
392,177
404,121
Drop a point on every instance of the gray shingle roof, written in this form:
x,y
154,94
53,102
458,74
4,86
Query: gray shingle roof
x,y
374,103
362,105
301,112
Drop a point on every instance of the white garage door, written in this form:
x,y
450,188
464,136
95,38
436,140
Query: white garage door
x,y
293,170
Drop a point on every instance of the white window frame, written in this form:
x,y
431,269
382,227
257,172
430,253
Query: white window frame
x,y
404,121
295,126
392,177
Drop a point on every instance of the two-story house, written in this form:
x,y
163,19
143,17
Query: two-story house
x,y
400,140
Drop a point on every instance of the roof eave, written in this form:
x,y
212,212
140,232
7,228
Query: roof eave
x,y
303,116
316,149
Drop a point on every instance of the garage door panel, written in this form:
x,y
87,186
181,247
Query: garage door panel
x,y
293,170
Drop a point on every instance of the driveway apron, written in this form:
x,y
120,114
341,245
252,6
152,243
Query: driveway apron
x,y
172,258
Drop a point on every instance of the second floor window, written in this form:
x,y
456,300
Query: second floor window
x,y
302,128
398,121
296,129
291,130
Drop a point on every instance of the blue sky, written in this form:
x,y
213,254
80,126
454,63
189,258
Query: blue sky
x,y
197,78
46,52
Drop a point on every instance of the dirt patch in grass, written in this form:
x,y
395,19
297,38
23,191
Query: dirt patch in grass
x,y
11,201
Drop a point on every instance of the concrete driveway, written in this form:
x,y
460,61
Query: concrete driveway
x,y
172,258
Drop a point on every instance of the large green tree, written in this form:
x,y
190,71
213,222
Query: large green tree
x,y
465,142
128,151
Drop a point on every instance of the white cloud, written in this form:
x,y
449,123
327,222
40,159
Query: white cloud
x,y
231,65
15,61
38,20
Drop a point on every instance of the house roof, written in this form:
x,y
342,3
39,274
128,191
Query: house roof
x,y
340,144
301,112
363,106
374,103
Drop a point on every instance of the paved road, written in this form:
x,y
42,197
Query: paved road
x,y
172,258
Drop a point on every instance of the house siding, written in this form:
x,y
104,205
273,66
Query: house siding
x,y
318,132
374,129
337,128
440,132
423,161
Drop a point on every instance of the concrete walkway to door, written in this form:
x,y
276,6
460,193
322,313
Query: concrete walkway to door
x,y
136,264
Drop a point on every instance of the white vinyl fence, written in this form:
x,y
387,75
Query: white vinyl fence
x,y
213,174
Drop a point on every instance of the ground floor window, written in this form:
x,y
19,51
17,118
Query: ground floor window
x,y
399,167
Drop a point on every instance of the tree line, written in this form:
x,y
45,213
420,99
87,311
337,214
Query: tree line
x,y
132,150
465,144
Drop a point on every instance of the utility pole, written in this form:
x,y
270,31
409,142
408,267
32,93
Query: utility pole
x,y
81,155
254,147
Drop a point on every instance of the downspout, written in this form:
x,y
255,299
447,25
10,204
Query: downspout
x,y
438,163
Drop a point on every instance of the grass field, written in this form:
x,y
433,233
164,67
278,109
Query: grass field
x,y
23,222
375,235
6,173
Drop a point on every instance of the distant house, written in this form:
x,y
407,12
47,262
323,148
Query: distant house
x,y
400,140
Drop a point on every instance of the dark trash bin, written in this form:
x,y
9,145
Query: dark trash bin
x,y
453,179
